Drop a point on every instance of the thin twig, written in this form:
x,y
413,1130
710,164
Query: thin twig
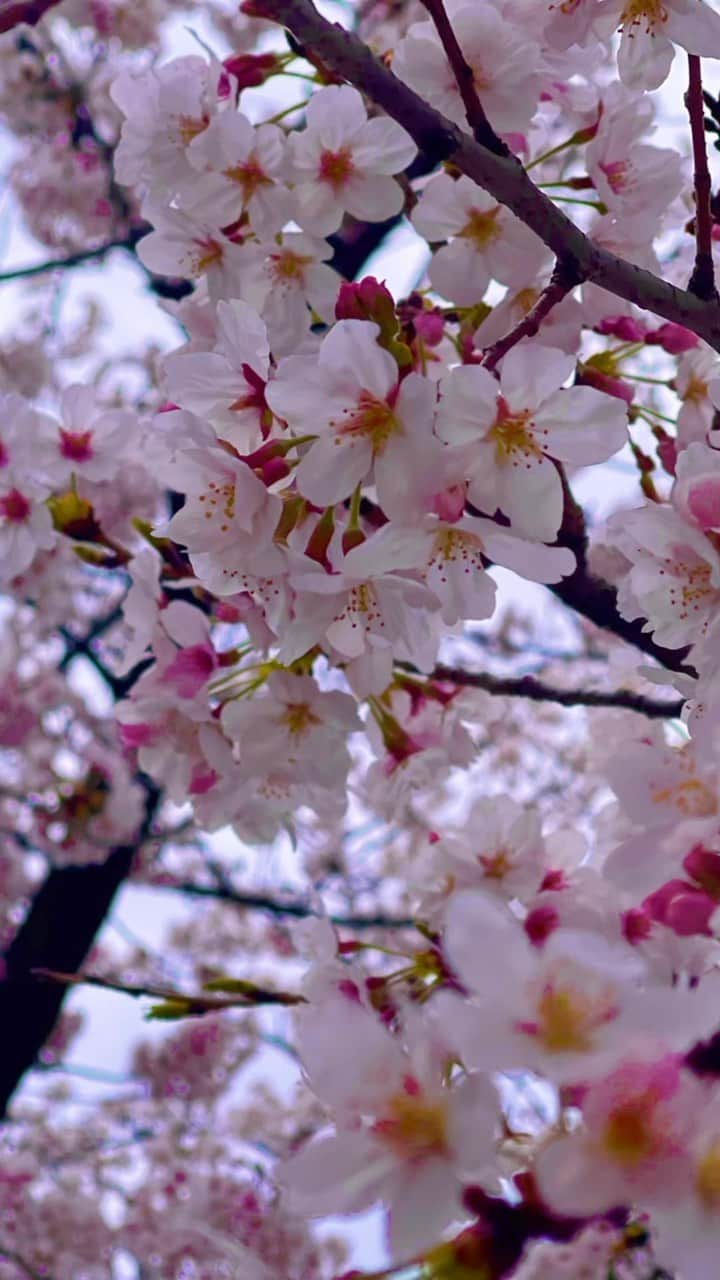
x,y
702,280
537,691
563,280
293,908
247,995
463,72
72,260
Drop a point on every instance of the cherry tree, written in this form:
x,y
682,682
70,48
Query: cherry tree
x,y
360,664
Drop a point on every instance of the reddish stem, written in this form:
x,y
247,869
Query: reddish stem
x,y
474,110
702,281
564,278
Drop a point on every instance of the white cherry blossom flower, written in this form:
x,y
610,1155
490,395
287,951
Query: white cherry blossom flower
x,y
507,68
567,1011
486,242
367,422
674,579
294,725
165,109
226,386
241,169
92,440
403,1138
343,162
516,429
182,245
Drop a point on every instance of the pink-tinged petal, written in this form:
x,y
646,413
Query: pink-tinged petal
x,y
340,1173
531,560
317,210
478,930
644,58
467,405
424,1204
351,1060
336,114
694,26
351,352
572,1182
459,273
372,196
332,468
391,550
472,1124
581,426
528,491
532,372
300,395
384,147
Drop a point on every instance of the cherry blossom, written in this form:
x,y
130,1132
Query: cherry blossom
x,y
518,428
343,162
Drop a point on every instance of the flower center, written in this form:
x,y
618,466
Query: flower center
x,y
298,717
76,445
495,865
691,796
481,227
336,167
617,173
190,127
15,507
287,265
219,500
250,177
371,418
511,435
707,1177
628,1136
649,12
695,391
207,254
413,1126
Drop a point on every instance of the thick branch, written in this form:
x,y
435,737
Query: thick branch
x,y
58,933
502,176
23,11
702,280
483,131
537,691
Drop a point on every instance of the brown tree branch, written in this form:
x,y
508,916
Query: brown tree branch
x,y
293,908
72,260
537,691
245,995
563,280
28,12
502,176
483,131
702,280
57,933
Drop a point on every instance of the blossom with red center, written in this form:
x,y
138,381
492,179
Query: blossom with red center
x,y
343,162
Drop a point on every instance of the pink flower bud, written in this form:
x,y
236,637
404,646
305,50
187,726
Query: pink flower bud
x,y
673,338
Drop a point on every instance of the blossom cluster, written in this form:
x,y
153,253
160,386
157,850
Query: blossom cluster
x,y
294,529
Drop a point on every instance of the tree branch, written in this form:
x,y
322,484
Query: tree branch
x,y
180,1004
57,933
72,260
702,280
23,11
562,281
292,908
483,131
502,176
537,691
